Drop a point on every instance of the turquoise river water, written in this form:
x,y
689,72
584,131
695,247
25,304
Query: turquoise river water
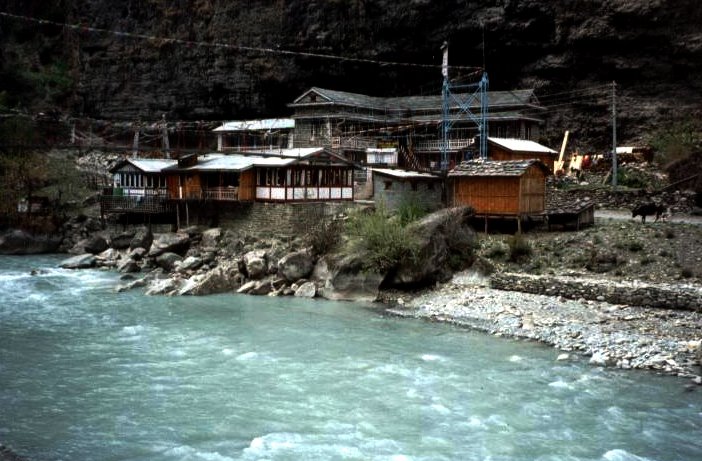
x,y
89,374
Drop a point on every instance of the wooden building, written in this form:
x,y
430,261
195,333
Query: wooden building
x,y
520,149
351,123
138,186
255,135
513,189
290,175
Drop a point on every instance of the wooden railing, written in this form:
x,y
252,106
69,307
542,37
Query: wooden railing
x,y
114,200
221,193
436,145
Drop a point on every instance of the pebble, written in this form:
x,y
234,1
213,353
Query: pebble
x,y
612,335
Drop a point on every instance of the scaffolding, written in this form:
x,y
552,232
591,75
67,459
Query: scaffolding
x,y
465,97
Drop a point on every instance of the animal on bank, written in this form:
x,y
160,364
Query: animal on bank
x,y
649,209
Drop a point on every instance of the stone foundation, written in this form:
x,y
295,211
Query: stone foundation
x,y
669,296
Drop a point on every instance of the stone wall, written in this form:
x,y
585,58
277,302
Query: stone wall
x,y
671,296
393,193
279,219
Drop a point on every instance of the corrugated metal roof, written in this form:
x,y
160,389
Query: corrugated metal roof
x,y
257,125
522,145
417,103
147,165
495,167
404,174
241,161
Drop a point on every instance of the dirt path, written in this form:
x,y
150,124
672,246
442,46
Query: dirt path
x,y
625,215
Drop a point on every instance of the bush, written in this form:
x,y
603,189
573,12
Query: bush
x,y
519,248
383,239
409,211
325,236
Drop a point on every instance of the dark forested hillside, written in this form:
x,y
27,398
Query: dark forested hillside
x,y
171,59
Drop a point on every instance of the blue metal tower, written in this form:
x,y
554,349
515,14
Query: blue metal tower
x,y
465,97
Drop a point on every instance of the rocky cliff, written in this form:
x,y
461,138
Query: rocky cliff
x,y
570,51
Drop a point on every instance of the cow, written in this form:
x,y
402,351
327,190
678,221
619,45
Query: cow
x,y
648,209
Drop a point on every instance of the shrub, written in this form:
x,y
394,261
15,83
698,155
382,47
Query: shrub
x,y
325,236
410,210
687,273
519,248
635,246
383,239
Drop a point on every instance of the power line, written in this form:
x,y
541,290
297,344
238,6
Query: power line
x,y
254,49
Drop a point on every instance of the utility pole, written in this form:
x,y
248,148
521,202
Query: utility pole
x,y
614,135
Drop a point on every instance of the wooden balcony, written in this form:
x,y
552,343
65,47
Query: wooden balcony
x,y
435,145
132,200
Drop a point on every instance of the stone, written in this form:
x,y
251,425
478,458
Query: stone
x,y
167,261
342,277
225,278
121,241
19,242
211,237
295,266
562,357
95,244
306,290
170,242
190,263
143,238
255,264
84,261
129,266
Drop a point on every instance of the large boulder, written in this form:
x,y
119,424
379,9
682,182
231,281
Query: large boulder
x,y
445,243
255,263
142,239
343,277
83,261
167,261
121,241
171,242
211,237
19,242
296,266
225,278
306,290
95,244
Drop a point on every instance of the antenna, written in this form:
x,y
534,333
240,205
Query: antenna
x,y
482,25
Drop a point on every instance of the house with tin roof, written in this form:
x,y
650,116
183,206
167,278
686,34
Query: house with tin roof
x,y
353,123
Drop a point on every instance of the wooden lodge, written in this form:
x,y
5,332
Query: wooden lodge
x,y
138,186
356,124
514,189
290,175
255,135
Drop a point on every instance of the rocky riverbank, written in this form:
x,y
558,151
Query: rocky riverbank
x,y
628,337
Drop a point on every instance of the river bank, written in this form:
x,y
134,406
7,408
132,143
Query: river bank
x,y
628,337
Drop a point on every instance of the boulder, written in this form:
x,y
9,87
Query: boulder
x,y
255,264
296,266
95,244
168,286
211,237
121,241
306,290
19,242
167,261
224,278
446,242
83,261
343,277
128,266
142,239
137,254
171,242
190,263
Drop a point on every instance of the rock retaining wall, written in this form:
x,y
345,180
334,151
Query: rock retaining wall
x,y
670,296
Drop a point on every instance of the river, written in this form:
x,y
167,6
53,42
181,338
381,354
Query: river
x,y
89,374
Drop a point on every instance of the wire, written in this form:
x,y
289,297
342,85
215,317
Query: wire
x,y
255,49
